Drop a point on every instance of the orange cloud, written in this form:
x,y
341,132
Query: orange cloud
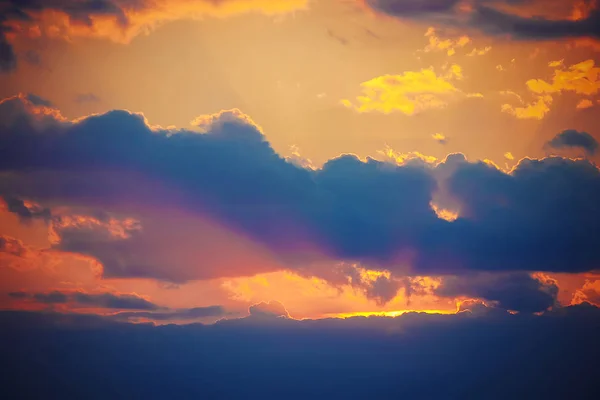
x,y
589,292
312,297
584,103
448,45
445,214
479,52
557,63
409,93
18,256
132,20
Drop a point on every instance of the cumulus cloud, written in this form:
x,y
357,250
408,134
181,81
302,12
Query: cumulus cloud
x,y
130,193
574,139
271,308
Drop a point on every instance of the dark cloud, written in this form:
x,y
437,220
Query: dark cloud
x,y
54,297
114,166
185,314
383,289
37,100
18,295
574,139
32,57
419,8
541,217
485,356
82,299
8,58
26,212
514,291
271,308
485,16
86,98
110,300
79,12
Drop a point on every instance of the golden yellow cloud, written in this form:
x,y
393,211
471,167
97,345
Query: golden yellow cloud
x,y
581,78
408,93
479,52
440,137
535,110
402,158
557,63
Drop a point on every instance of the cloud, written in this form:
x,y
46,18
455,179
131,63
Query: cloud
x,y
90,300
37,100
589,292
178,205
271,308
31,57
574,139
581,78
116,20
16,255
440,138
18,295
409,93
26,211
525,20
447,45
512,291
584,103
185,314
557,356
534,110
54,297
110,300
86,98
479,51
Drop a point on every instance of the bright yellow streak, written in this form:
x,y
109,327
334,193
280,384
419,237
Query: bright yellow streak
x,y
385,313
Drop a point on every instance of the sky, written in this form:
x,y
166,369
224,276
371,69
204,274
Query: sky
x,y
341,182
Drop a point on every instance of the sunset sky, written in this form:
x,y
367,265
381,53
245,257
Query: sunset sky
x,y
370,199
181,161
